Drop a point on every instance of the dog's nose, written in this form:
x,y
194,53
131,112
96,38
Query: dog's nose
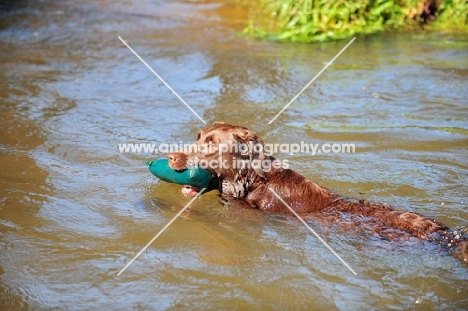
x,y
172,157
177,161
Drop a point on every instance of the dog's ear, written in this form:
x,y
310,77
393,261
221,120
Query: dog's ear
x,y
255,150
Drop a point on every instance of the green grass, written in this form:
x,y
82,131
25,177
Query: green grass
x,y
453,13
324,20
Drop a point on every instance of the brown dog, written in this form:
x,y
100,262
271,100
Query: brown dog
x,y
247,174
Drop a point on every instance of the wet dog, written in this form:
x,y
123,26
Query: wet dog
x,y
246,174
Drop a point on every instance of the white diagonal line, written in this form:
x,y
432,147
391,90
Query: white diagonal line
x,y
311,81
162,230
162,80
312,230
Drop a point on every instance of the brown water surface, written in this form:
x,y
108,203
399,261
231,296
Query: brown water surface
x,y
74,210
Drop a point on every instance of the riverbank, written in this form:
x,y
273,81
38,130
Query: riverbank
x,y
318,21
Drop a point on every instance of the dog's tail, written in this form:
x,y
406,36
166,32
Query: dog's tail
x,y
457,241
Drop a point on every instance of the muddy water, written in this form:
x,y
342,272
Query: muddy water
x,y
74,210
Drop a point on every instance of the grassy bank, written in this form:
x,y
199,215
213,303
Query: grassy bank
x,y
323,20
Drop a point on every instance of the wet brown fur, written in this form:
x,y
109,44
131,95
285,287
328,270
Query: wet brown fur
x,y
251,188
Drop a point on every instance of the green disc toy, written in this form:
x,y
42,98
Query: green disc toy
x,y
194,176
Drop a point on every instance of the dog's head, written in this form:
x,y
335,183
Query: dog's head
x,y
234,147
230,151
233,153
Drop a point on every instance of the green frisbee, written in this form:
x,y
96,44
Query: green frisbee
x,y
194,176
